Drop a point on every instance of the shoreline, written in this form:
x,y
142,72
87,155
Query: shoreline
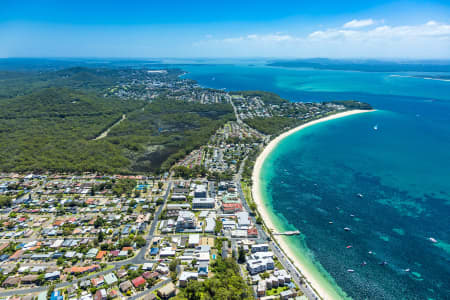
x,y
262,209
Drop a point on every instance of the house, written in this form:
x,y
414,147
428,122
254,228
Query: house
x,y
52,275
186,276
150,275
125,286
147,266
100,295
11,281
110,278
29,279
122,273
80,270
167,251
99,281
138,281
167,291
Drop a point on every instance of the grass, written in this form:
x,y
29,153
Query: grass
x,y
276,291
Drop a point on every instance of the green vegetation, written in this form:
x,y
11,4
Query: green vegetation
x,y
124,186
272,125
5,201
54,129
225,284
266,97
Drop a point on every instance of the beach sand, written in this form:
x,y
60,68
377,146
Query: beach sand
x,y
257,197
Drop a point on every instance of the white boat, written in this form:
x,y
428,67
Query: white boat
x,y
433,240
350,270
360,195
375,127
347,229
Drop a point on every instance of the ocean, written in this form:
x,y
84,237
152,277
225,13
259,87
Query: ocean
x,y
401,171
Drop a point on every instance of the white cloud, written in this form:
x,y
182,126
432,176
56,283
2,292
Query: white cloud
x,y
430,29
428,40
277,37
359,23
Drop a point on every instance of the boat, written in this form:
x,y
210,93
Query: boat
x,y
433,240
352,215
350,270
375,127
360,195
370,252
363,263
349,246
330,222
407,270
347,229
383,263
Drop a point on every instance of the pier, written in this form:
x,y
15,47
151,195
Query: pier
x,y
294,232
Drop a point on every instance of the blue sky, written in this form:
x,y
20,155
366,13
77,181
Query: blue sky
x,y
379,29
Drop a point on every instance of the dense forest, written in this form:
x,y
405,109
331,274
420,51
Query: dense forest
x,y
266,97
54,129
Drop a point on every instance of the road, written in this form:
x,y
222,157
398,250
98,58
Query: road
x,y
137,259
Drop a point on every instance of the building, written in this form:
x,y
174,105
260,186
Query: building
x,y
200,191
167,291
185,220
138,281
110,278
194,240
260,248
186,276
100,295
125,286
210,225
255,266
203,203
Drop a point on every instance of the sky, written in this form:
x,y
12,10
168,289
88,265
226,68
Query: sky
x,y
225,29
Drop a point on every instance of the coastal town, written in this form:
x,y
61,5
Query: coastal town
x,y
156,236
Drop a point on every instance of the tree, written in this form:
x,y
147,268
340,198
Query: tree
x,y
241,256
140,241
100,236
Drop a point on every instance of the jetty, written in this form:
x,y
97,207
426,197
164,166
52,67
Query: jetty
x,y
294,232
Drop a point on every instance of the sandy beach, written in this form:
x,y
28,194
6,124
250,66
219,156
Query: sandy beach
x,y
256,192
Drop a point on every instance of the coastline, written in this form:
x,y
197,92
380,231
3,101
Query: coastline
x,y
265,215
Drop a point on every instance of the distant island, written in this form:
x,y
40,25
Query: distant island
x,y
366,65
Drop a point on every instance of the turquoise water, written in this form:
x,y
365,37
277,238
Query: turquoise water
x,y
402,170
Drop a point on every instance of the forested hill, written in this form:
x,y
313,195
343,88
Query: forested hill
x,y
62,103
54,129
93,80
